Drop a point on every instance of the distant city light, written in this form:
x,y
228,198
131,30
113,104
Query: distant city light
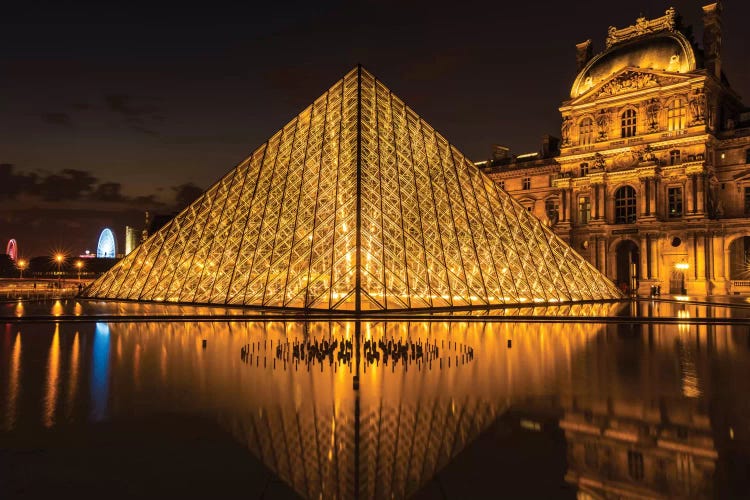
x,y
106,248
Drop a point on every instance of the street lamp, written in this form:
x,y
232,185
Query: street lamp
x,y
59,259
21,265
79,265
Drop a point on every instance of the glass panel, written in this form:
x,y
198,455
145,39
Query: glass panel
x,y
282,228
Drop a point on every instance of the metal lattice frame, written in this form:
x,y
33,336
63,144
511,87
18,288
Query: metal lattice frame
x,y
356,204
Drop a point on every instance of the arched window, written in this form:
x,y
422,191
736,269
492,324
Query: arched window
x,y
628,122
625,204
676,113
586,131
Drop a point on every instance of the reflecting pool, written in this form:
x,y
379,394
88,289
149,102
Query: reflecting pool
x,y
377,408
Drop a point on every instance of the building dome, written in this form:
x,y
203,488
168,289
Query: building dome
x,y
665,51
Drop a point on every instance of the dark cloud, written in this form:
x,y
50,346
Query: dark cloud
x,y
185,194
108,191
56,118
130,106
138,112
12,183
148,201
80,185
68,184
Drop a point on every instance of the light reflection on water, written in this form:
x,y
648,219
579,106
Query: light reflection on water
x,y
661,391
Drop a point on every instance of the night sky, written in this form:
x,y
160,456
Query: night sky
x,y
109,110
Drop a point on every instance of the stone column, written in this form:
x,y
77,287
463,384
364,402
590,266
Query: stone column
x,y
602,244
642,258
689,199
701,196
700,256
643,197
649,263
655,272
596,201
690,245
563,205
718,255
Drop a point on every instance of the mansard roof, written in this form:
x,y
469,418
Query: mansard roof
x,y
654,45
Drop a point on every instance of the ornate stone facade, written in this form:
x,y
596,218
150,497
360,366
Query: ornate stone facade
x,y
652,182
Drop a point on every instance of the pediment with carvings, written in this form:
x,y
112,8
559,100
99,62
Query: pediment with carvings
x,y
629,80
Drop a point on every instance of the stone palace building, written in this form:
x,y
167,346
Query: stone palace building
x,y
650,179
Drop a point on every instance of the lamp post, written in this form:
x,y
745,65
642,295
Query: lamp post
x,y
79,265
59,259
21,265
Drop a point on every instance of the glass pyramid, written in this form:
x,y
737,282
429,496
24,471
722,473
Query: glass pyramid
x,y
356,204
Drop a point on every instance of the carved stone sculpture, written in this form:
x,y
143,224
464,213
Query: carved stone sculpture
x,y
627,82
565,130
602,125
698,108
652,114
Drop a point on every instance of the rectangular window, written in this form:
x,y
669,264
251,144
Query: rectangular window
x,y
584,169
584,209
628,121
526,183
501,184
747,200
551,209
625,203
530,209
676,115
747,156
586,131
674,157
674,202
635,465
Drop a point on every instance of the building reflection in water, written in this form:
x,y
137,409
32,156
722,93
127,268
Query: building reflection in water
x,y
376,409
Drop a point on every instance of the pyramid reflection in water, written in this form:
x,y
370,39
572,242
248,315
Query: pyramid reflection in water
x,y
356,204
306,422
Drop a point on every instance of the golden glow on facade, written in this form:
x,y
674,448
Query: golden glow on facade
x,y
356,204
657,146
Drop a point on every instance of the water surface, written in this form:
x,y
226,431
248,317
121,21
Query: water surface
x,y
378,408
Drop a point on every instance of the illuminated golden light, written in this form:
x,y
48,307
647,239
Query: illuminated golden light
x,y
682,298
13,383
682,266
57,308
432,230
73,375
53,373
